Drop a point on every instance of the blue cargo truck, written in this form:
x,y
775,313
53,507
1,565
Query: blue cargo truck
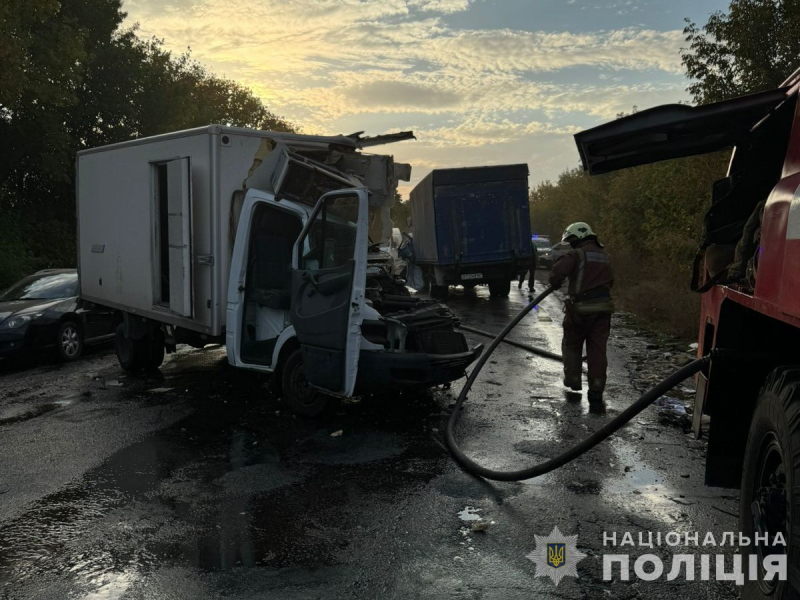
x,y
472,226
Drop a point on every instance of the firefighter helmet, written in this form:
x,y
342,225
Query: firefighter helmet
x,y
576,232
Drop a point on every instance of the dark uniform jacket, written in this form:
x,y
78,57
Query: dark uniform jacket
x,y
589,270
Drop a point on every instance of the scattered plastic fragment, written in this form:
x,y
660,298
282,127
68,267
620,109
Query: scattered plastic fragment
x,y
480,526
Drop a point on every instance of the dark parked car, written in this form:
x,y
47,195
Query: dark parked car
x,y
43,311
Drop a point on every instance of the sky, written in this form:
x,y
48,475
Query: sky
x,y
480,82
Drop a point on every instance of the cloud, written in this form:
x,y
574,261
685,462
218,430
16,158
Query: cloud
x,y
392,93
327,64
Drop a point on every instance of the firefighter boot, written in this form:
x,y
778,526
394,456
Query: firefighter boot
x,y
596,388
572,367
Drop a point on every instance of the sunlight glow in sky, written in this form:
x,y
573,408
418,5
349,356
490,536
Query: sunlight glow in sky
x,y
479,81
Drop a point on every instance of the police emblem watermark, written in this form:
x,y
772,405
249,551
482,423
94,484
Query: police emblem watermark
x,y
556,556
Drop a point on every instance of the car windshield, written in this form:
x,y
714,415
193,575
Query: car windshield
x,y
542,244
43,287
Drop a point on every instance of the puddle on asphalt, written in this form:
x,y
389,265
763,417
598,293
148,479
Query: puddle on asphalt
x,y
213,493
25,412
347,448
470,514
640,485
110,586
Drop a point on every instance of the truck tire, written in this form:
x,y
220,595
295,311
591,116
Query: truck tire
x,y
153,350
300,397
128,351
771,472
499,289
440,293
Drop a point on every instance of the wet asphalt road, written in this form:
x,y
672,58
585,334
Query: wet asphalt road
x,y
199,484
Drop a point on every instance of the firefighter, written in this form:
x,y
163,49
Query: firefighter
x,y
532,269
588,308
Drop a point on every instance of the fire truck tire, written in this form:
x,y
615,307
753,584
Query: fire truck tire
x,y
771,472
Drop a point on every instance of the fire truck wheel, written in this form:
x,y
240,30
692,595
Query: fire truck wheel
x,y
299,396
771,470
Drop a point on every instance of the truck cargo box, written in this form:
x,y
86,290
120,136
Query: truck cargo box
x,y
471,215
157,216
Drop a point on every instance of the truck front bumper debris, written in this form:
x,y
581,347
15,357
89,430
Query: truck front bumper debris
x,y
382,371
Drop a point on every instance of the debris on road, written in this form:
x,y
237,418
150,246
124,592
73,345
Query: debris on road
x,y
160,390
113,383
480,526
337,433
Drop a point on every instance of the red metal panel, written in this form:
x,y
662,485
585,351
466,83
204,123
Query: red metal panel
x,y
773,240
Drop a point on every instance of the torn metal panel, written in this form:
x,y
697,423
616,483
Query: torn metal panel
x,y
303,168
380,140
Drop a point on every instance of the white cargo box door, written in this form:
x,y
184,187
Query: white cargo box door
x,y
179,236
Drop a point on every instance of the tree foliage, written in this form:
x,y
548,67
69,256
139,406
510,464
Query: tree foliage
x,y
73,78
651,219
752,47
400,212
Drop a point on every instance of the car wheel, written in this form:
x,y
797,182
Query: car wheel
x,y
69,341
771,472
499,289
299,396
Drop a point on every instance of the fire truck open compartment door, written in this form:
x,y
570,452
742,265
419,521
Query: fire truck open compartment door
x,y
673,131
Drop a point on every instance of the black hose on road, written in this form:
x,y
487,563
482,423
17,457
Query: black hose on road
x,y
593,440
531,349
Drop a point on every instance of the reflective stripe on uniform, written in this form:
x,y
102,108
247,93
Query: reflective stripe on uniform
x,y
600,257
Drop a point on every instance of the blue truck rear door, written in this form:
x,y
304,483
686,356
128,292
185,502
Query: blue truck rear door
x,y
482,222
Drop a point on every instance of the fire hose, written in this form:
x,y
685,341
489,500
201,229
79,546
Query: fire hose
x,y
582,447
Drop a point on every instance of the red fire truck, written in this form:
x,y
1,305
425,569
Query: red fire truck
x,y
748,270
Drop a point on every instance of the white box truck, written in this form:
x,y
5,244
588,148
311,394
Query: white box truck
x,y
258,240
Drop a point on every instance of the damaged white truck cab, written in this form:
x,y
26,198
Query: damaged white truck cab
x,y
259,240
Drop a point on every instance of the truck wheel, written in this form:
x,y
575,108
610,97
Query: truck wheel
x,y
440,293
128,353
499,289
300,397
771,472
153,350
69,341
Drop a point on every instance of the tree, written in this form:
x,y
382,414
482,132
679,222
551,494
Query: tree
x,y
753,47
71,78
400,212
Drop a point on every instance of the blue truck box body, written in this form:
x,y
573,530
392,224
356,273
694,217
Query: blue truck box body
x,y
473,215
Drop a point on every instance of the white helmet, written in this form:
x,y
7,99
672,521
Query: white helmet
x,y
576,232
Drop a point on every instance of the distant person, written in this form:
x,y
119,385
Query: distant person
x,y
588,307
532,270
